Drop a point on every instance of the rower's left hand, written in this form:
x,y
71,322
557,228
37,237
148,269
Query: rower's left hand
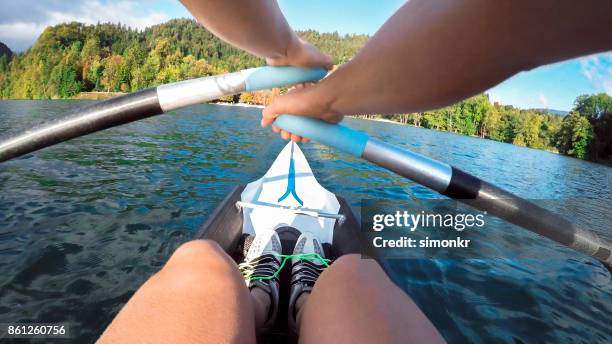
x,y
302,54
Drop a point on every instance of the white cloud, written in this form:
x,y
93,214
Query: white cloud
x,y
20,35
125,12
543,100
598,70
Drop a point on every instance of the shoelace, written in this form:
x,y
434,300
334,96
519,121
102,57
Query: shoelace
x,y
247,269
306,272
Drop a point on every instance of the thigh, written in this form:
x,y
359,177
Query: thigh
x,y
198,296
354,301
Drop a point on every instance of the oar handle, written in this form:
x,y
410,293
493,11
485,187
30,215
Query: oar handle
x,y
452,182
196,91
429,172
262,78
338,136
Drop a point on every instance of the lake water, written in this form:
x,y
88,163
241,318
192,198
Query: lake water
x,y
83,224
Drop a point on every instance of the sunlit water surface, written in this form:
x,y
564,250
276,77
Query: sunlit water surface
x,y
84,223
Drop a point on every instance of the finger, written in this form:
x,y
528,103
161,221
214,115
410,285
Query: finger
x,y
276,129
285,135
293,102
305,139
329,63
296,138
299,86
267,120
270,112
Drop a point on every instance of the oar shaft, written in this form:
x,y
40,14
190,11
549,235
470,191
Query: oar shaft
x,y
431,173
452,182
92,118
150,102
503,204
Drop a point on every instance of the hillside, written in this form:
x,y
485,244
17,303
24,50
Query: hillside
x,y
71,58
4,50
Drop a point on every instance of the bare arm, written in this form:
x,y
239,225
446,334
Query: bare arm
x,y
259,27
430,54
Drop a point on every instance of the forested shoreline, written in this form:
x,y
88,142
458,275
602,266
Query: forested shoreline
x,y
584,133
71,58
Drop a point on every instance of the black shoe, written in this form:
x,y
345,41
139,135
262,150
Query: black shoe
x,y
304,272
259,268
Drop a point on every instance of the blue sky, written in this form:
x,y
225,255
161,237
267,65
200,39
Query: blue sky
x,y
554,86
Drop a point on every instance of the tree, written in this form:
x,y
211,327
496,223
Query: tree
x,y
551,124
433,120
490,124
4,61
416,118
113,73
64,80
594,106
246,97
574,135
473,111
597,109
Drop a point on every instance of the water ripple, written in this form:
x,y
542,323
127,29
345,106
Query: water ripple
x,y
84,223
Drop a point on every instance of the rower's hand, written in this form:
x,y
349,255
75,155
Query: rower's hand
x,y
306,100
302,99
302,54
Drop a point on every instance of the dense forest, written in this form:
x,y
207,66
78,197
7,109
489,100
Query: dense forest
x,y
71,58
585,133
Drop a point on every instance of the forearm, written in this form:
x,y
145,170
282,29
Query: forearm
x,y
257,26
433,53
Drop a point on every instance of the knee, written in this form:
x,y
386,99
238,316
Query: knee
x,y
198,273
353,268
202,257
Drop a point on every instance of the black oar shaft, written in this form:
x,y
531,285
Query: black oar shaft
x,y
102,115
503,204
454,183
151,102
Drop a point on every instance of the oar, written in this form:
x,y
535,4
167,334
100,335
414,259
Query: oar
x,y
150,102
452,182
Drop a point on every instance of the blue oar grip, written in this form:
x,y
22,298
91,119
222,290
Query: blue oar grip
x,y
338,136
262,78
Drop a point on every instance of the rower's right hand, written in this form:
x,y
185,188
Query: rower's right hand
x,y
309,100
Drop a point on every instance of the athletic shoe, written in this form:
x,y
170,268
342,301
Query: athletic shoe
x,y
304,272
261,263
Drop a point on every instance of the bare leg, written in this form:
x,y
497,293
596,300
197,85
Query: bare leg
x,y
199,296
354,301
